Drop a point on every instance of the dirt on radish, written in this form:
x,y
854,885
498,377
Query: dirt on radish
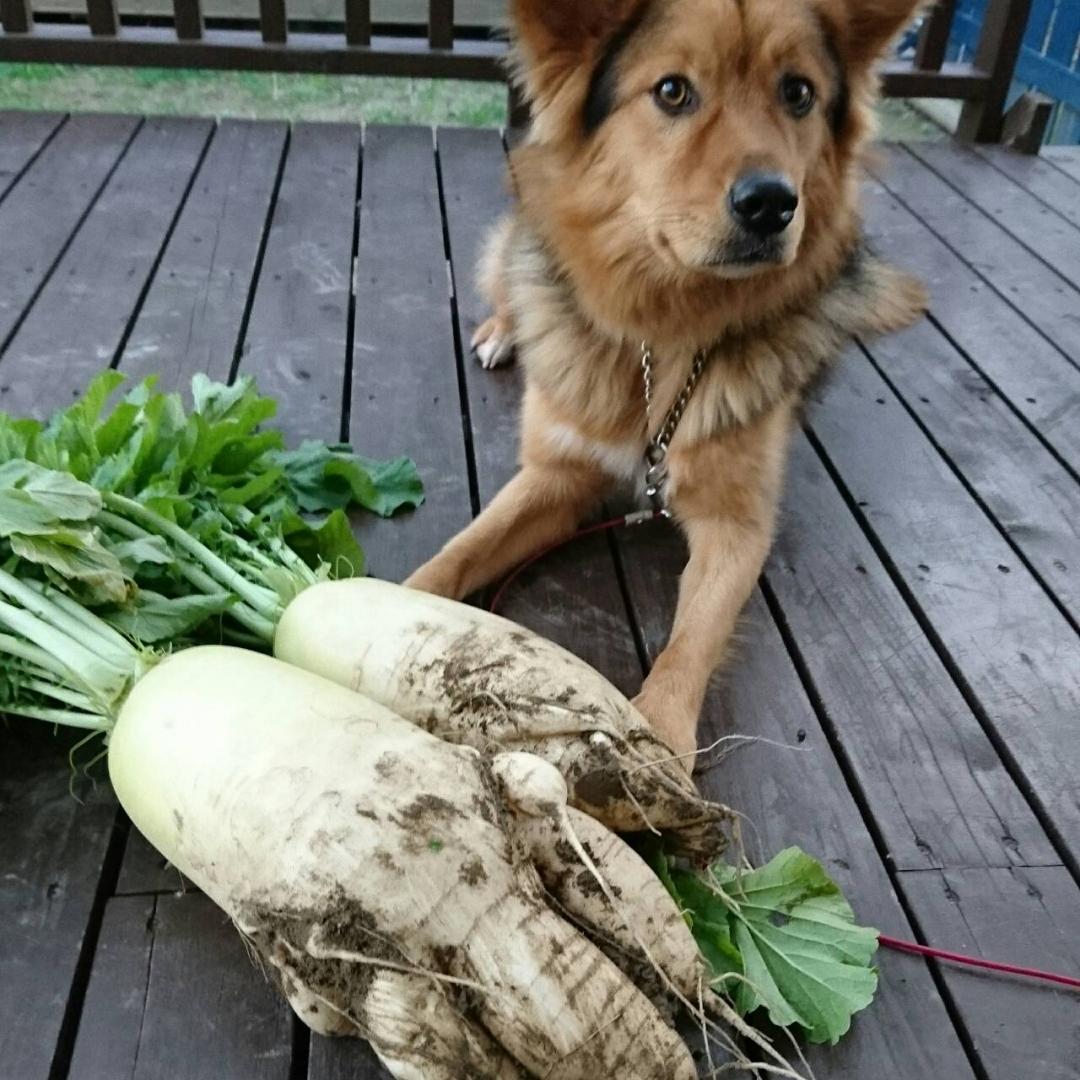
x,y
358,853
477,679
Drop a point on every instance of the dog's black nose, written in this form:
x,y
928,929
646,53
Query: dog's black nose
x,y
764,203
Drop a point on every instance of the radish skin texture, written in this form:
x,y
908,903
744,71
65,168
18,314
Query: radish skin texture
x,y
646,917
348,845
472,677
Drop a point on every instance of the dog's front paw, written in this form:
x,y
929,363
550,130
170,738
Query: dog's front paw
x,y
438,577
673,725
493,343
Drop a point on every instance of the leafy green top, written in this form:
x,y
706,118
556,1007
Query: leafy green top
x,y
216,464
781,937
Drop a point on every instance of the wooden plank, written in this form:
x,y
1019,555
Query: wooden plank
x,y
1033,498
297,337
53,851
476,193
192,317
1028,917
107,1044
22,135
1013,650
209,1011
1046,182
1027,283
40,214
405,393
144,870
273,21
188,17
358,22
83,313
103,17
1064,158
939,795
343,1059
1038,227
1037,379
799,796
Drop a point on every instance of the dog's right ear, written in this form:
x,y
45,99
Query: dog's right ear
x,y
556,39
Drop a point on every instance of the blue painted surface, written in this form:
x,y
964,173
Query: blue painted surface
x,y
1049,61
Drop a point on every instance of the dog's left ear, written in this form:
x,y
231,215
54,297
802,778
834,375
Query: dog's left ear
x,y
872,25
555,38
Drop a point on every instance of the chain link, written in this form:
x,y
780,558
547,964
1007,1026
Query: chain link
x,y
647,376
656,474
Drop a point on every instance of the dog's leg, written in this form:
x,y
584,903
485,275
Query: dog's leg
x,y
493,342
539,507
725,495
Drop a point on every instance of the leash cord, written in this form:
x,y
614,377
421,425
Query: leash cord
x,y
911,948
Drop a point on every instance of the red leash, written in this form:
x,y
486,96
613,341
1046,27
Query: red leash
x,y
910,947
896,944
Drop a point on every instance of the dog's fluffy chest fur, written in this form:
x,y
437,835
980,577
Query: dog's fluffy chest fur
x,y
591,387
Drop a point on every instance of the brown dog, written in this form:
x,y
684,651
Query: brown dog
x,y
689,188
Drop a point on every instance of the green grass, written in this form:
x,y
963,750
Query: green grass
x,y
254,95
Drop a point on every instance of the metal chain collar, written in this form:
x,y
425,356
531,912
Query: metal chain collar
x,y
656,453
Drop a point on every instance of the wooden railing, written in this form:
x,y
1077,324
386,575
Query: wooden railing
x,y
354,46
1049,58
349,47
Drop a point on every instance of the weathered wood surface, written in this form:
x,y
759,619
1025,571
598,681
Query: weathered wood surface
x,y
1038,226
54,851
22,137
85,307
296,337
39,217
1037,292
915,644
404,376
1005,639
1038,380
193,314
1064,158
1042,178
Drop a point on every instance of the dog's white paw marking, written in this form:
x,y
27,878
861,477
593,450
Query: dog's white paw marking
x,y
493,344
495,352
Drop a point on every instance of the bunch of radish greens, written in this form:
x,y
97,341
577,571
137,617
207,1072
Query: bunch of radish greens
x,y
392,734
156,524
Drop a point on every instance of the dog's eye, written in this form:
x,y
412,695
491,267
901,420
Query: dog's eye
x,y
674,94
798,94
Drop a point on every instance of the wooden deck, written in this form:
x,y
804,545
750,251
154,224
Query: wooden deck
x,y
916,633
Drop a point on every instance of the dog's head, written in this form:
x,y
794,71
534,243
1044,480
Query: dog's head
x,y
701,136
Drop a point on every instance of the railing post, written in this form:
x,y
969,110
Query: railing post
x,y
441,24
188,17
272,21
934,36
997,54
358,22
16,16
103,17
